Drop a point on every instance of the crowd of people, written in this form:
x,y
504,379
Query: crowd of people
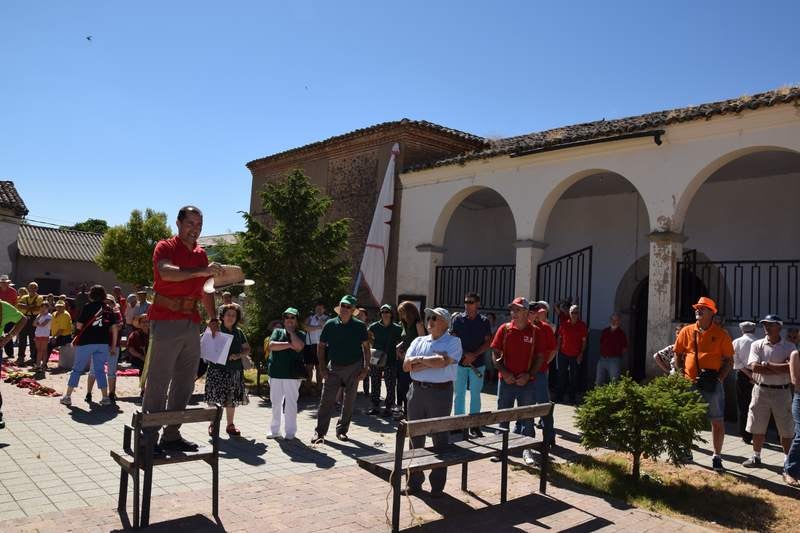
x,y
431,363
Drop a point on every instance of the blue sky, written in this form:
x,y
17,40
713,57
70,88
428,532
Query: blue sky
x,y
169,100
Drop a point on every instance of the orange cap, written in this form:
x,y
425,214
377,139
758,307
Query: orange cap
x,y
705,301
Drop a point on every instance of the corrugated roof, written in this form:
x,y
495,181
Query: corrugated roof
x,y
10,199
55,243
609,128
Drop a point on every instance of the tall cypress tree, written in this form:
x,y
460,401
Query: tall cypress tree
x,y
295,257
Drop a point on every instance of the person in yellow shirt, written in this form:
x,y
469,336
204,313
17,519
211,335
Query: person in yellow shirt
x,y
60,326
29,306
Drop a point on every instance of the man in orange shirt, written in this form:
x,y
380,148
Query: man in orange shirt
x,y
704,354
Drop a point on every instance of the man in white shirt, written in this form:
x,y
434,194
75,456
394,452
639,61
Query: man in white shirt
x,y
769,362
744,377
432,361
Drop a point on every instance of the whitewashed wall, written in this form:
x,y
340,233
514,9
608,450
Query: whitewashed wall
x,y
480,237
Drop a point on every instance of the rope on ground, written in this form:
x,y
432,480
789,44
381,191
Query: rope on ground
x,y
415,518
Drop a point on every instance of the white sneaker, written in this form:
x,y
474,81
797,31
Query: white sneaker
x,y
273,436
66,400
527,456
105,401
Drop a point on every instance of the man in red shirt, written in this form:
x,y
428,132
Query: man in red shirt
x,y
180,268
545,352
513,346
613,345
571,347
8,294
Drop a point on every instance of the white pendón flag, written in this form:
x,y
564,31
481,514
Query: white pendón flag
x,y
373,265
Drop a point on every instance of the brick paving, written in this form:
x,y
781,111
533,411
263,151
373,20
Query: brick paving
x,y
56,475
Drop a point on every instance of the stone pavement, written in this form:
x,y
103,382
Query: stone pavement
x,y
56,474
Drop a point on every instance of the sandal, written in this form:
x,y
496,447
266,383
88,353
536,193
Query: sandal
x,y
231,430
211,430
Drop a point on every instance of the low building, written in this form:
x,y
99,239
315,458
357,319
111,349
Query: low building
x,y
12,212
60,260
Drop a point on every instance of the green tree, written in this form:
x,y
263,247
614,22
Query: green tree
x,y
127,250
92,225
296,258
664,416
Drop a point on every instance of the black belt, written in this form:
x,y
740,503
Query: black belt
x,y
774,386
427,385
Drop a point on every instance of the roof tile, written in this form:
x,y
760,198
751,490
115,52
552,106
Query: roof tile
x,y
10,198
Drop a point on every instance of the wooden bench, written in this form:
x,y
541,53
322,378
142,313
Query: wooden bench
x,y
137,455
392,467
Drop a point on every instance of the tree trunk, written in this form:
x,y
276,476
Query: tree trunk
x,y
637,459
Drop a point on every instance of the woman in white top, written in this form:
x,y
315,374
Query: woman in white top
x,y
313,326
42,339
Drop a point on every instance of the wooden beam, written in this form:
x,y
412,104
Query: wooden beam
x,y
173,418
429,426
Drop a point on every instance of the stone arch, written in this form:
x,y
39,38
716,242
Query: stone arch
x,y
440,227
548,203
690,191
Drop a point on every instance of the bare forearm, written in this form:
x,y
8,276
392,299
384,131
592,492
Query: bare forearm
x,y
321,354
171,272
208,304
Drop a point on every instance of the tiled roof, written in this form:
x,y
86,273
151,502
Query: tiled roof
x,y
610,128
479,142
54,243
10,199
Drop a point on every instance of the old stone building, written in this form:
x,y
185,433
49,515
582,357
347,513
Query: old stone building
x,y
350,169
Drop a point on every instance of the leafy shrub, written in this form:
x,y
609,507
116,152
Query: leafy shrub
x,y
663,417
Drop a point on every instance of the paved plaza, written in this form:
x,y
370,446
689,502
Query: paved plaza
x,y
56,475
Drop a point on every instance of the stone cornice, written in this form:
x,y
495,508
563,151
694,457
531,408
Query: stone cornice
x,y
427,247
666,236
530,243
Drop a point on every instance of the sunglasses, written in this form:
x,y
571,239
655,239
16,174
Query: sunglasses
x,y
469,302
432,318
386,312
345,306
289,317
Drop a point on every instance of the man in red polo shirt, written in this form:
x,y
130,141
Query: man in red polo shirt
x,y
513,346
180,268
571,346
613,345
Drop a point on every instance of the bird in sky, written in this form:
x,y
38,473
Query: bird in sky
x,y
89,38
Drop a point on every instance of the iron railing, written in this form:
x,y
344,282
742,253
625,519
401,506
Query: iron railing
x,y
494,283
742,290
568,277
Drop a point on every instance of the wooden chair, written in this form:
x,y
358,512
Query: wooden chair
x,y
137,455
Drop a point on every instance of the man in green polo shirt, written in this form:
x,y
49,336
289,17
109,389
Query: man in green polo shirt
x,y
9,315
343,354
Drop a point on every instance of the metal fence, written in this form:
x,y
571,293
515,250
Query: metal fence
x,y
568,277
495,284
743,290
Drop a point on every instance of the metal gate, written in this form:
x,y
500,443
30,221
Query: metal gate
x,y
567,278
495,284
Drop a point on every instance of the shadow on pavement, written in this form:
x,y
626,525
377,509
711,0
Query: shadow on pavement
x,y
516,515
299,452
245,450
96,416
195,523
